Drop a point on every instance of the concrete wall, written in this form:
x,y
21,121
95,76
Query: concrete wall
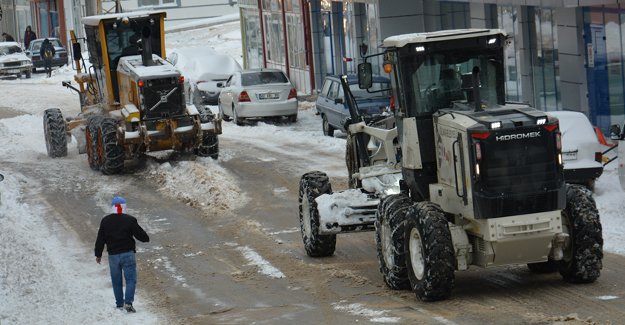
x,y
572,58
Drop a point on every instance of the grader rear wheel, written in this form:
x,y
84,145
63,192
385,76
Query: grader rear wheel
x,y
110,154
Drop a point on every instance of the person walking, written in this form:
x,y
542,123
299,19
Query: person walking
x,y
46,52
117,231
7,37
29,36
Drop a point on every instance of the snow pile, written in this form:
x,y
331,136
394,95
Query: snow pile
x,y
46,278
202,183
609,197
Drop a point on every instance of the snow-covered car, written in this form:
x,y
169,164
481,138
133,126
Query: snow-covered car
x,y
258,93
203,68
581,150
13,61
60,55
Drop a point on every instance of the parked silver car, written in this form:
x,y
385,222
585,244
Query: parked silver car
x,y
60,56
258,94
13,61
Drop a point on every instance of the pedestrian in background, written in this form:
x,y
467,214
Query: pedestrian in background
x,y
29,36
7,37
117,231
46,52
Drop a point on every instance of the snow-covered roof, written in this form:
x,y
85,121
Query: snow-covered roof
x,y
442,35
162,68
95,20
10,44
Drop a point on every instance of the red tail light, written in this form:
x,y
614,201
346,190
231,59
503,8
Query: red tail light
x,y
244,97
480,135
599,157
292,93
181,80
392,105
551,127
141,83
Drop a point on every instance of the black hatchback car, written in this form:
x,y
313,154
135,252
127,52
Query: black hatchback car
x,y
333,108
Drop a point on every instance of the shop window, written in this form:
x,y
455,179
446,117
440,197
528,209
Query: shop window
x,y
544,59
508,21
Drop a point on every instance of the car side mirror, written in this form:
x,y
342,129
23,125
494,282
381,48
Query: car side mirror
x,y
76,52
1,177
365,80
338,100
27,52
220,85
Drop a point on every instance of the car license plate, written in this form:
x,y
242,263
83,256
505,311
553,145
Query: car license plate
x,y
569,155
14,71
268,96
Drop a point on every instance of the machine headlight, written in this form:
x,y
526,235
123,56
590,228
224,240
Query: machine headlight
x,y
541,121
495,125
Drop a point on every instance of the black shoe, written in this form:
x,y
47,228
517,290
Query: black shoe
x,y
120,307
129,308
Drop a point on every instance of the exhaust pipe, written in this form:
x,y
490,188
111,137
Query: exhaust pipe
x,y
476,88
146,53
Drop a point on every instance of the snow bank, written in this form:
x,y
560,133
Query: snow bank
x,y
51,279
202,183
610,199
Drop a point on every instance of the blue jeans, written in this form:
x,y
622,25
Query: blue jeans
x,y
126,263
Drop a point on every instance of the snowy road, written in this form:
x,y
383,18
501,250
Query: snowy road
x,y
225,245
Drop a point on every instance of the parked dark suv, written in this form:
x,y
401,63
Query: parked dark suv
x,y
333,109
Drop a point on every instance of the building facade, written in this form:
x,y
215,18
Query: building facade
x,y
178,11
561,55
46,18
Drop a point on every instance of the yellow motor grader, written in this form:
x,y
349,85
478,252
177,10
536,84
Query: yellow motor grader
x,y
132,100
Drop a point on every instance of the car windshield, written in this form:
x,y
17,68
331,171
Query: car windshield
x,y
263,78
37,45
377,90
6,50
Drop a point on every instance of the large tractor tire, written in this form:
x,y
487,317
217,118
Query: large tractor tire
x,y
328,130
91,139
111,154
430,252
311,186
55,133
389,238
352,162
210,143
582,261
209,146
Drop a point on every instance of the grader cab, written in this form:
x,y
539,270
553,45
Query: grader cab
x,y
132,100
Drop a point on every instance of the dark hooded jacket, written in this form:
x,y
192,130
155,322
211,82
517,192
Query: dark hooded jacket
x,y
46,46
117,232
29,36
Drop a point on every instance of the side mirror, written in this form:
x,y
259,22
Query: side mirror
x,y
1,177
76,52
220,85
338,100
364,76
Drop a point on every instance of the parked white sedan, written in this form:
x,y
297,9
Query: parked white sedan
x,y
257,94
13,61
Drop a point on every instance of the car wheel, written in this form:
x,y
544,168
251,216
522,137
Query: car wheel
x,y
328,130
235,116
222,115
28,74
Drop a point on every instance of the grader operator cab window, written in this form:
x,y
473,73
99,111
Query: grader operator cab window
x,y
439,80
121,40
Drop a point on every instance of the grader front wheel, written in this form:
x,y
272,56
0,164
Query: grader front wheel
x,y
55,133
